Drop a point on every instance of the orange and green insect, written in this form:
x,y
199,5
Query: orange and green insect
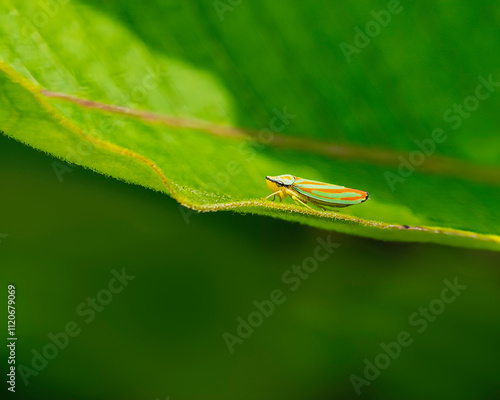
x,y
320,194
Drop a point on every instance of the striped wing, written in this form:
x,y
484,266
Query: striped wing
x,y
328,194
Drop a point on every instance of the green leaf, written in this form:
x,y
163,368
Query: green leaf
x,y
202,103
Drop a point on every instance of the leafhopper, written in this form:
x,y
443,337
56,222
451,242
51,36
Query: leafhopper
x,y
321,194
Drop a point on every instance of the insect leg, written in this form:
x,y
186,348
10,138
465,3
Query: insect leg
x,y
295,198
272,194
298,201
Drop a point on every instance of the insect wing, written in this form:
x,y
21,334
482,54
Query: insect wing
x,y
329,194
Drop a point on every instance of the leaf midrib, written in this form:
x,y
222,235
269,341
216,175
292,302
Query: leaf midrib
x,y
440,165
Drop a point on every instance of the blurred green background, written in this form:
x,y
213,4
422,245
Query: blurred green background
x,y
162,336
